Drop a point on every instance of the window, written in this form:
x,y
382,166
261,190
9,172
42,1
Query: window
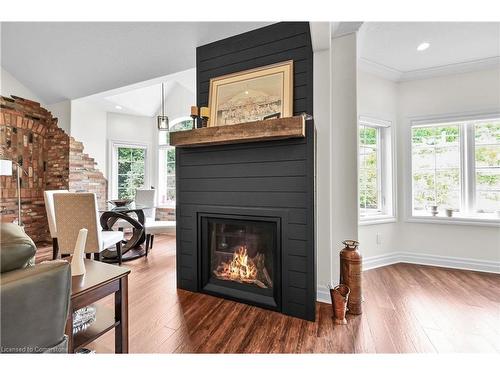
x,y
129,169
456,169
166,162
487,166
375,170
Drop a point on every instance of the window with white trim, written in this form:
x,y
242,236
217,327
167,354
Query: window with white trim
x,y
456,169
128,169
375,170
166,162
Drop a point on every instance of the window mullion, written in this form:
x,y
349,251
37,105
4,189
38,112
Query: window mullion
x,y
379,171
468,167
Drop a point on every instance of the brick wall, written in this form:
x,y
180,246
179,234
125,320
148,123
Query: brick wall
x,y
52,160
83,174
165,213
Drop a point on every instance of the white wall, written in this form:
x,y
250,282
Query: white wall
x,y
322,121
88,125
178,102
9,85
62,111
378,98
451,94
135,130
344,154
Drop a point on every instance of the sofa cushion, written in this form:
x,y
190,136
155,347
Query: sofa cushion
x,y
16,248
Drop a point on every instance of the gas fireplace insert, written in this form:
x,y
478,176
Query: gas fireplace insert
x,y
241,258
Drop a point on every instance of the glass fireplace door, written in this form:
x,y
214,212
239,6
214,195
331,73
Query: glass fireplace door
x,y
240,257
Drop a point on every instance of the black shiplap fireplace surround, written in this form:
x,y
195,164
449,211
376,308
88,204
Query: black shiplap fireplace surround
x,y
251,202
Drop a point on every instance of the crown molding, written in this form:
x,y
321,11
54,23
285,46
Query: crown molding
x,y
380,70
395,75
339,29
464,67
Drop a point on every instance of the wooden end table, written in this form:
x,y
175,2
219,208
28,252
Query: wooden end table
x,y
99,281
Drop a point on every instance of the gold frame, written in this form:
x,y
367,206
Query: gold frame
x,y
285,68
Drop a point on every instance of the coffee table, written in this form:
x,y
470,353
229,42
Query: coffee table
x,y
99,281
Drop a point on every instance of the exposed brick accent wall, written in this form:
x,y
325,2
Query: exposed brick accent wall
x,y
83,174
165,213
29,135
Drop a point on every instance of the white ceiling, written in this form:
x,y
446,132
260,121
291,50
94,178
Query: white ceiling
x,y
143,98
63,60
393,46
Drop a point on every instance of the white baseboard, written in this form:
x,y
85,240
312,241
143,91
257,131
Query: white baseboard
x,y
380,260
451,262
431,260
323,294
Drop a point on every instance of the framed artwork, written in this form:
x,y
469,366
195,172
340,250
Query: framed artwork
x,y
252,95
272,116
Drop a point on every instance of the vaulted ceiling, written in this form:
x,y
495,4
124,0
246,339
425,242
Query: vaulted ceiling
x,y
63,60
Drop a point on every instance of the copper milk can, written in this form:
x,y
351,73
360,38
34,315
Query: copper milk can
x,y
350,274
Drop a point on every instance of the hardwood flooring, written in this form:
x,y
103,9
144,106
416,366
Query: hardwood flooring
x,y
407,309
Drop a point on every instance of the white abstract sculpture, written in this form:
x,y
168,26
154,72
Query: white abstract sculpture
x,y
77,264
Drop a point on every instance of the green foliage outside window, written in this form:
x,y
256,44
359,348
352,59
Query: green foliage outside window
x,y
436,166
131,171
487,156
368,176
167,161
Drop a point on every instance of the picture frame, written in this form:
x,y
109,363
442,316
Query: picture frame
x,y
272,116
252,95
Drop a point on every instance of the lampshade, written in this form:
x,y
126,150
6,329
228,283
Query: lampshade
x,y
5,168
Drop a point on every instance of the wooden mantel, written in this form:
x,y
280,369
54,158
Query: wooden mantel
x,y
257,131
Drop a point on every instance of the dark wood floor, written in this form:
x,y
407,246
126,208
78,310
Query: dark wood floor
x,y
407,309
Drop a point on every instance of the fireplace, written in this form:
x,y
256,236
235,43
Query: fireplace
x,y
241,258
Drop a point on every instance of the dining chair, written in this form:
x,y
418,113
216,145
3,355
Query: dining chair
x,y
74,211
153,227
48,196
147,197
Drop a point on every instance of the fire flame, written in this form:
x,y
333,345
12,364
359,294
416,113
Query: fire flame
x,y
241,268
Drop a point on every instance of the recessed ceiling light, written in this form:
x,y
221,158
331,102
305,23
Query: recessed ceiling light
x,y
118,106
423,46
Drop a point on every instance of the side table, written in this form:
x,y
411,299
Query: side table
x,y
99,281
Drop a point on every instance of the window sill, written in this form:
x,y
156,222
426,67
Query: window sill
x,y
381,219
479,221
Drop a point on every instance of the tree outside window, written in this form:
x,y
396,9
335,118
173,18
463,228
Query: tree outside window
x,y
457,166
166,162
131,170
369,179
487,166
436,167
